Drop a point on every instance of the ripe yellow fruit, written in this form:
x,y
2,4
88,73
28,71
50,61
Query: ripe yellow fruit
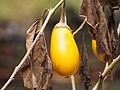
x,y
94,49
64,51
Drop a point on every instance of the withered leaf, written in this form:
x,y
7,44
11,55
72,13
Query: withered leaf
x,y
93,10
37,70
88,10
102,38
84,67
97,19
103,43
31,34
113,34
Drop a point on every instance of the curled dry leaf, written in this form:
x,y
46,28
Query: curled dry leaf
x,y
102,37
88,10
98,28
37,70
84,67
113,34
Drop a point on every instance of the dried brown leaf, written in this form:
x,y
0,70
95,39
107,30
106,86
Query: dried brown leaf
x,y
36,73
113,34
102,40
93,10
30,34
84,67
97,19
88,10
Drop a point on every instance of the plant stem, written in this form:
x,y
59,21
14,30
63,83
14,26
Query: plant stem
x,y
104,74
17,68
63,18
73,82
81,26
106,66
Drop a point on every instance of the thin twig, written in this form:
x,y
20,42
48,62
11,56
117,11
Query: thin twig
x,y
106,71
106,66
73,82
81,26
118,29
63,18
17,68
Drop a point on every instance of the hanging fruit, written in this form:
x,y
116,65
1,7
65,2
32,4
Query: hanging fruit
x,y
97,55
94,49
63,49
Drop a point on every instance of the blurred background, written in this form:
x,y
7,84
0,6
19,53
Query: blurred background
x,y
16,16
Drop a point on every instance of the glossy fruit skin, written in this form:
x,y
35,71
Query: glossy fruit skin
x,y
64,51
94,49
